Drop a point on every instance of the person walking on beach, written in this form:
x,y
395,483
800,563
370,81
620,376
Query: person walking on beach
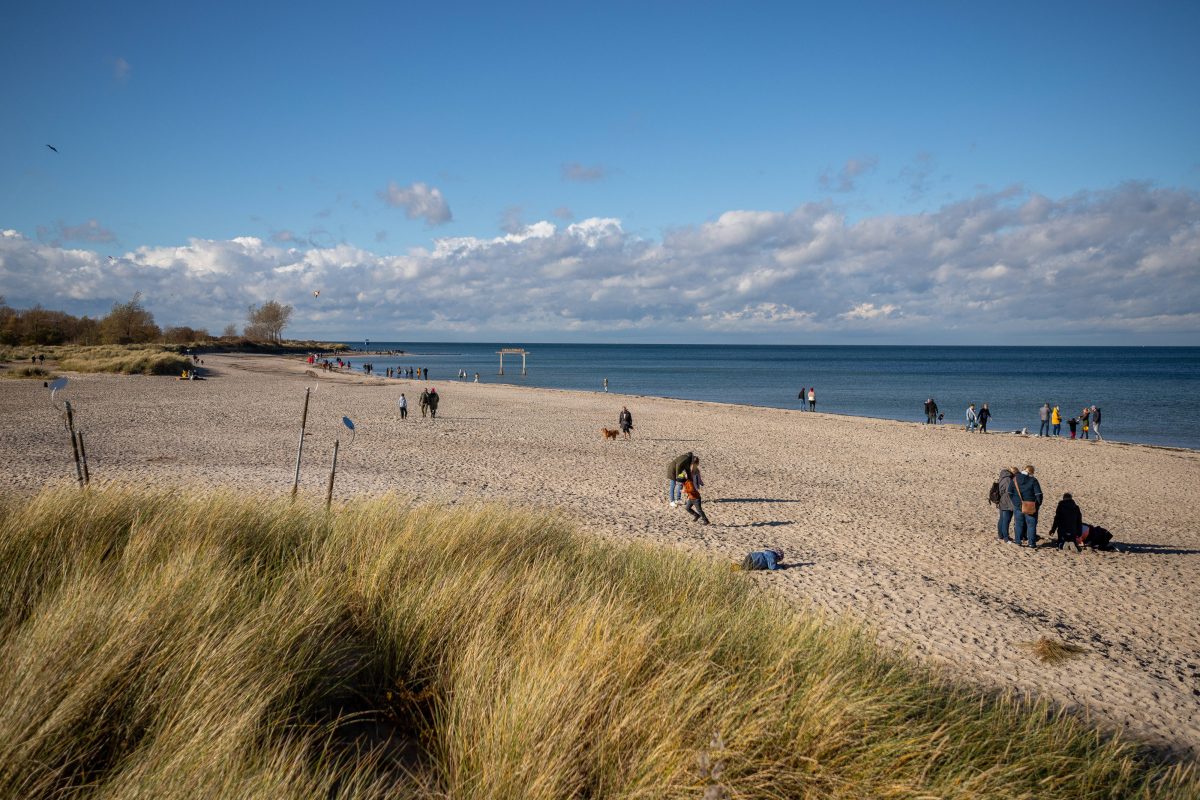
x,y
433,403
625,421
676,470
403,403
1085,416
606,384
1056,421
800,397
1026,497
691,490
1005,482
984,415
1096,423
1044,416
812,398
972,418
423,402
1072,423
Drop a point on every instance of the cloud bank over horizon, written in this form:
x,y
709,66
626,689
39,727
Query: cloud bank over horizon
x,y
1112,266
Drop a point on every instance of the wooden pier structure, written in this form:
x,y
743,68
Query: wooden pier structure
x,y
513,351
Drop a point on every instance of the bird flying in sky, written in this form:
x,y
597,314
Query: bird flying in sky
x,y
52,147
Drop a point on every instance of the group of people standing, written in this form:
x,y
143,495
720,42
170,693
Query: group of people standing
x,y
809,397
1019,497
1051,422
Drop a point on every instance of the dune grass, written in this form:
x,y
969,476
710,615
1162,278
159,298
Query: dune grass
x,y
26,372
179,645
1051,651
127,359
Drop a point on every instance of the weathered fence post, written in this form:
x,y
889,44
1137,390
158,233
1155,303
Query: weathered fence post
x,y
300,446
332,472
74,443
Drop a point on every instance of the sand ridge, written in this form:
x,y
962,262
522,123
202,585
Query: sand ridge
x,y
883,521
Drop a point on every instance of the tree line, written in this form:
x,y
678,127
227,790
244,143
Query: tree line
x,y
128,323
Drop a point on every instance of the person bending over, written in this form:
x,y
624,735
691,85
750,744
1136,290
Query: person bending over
x,y
1068,522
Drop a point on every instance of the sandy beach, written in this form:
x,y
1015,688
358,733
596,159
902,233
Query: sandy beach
x,y
886,522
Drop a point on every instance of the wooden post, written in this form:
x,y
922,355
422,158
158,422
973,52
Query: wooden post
x,y
87,478
523,370
501,362
300,446
74,443
332,472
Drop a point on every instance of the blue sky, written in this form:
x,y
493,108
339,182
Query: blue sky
x,y
370,133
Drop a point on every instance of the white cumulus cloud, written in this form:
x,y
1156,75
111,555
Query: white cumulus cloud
x,y
1000,261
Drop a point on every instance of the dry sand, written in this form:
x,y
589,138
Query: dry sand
x,y
883,521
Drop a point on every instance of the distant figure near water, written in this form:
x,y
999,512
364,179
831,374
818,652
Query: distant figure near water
x,y
812,398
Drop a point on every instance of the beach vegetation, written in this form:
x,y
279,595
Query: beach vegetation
x,y
178,644
1050,650
129,323
26,372
266,322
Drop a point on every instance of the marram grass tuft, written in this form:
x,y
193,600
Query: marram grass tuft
x,y
181,645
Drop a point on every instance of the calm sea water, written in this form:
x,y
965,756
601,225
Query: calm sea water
x,y
1147,394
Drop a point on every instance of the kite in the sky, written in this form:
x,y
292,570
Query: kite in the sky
x,y
317,293
52,147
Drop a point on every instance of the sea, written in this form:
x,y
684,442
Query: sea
x,y
1147,395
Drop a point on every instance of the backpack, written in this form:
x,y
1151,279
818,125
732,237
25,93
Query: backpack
x,y
994,493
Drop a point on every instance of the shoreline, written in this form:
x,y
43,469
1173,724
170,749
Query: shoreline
x,y
882,521
940,426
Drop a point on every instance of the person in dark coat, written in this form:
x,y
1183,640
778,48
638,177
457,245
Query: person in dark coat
x,y
1025,487
434,397
1006,505
1068,522
984,415
625,421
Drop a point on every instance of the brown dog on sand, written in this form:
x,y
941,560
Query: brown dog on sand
x,y
609,433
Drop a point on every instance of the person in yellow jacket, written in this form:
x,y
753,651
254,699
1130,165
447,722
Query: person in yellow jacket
x,y
1056,421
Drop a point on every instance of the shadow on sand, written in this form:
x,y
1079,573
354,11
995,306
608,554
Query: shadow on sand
x,y
1155,549
751,500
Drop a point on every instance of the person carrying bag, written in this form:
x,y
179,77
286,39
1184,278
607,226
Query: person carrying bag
x,y
1025,522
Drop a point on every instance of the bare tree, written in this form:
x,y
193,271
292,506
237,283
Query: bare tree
x,y
129,323
267,321
230,331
